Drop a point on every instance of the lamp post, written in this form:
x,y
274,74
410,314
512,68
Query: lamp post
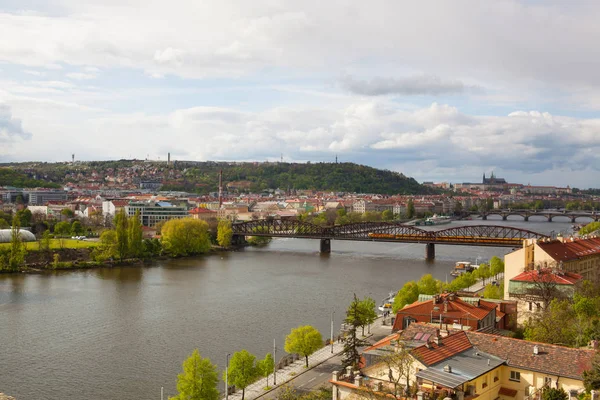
x,y
274,364
331,337
227,377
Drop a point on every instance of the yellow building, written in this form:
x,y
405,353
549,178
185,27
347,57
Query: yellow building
x,y
467,365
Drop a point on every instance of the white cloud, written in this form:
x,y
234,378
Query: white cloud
x,y
80,76
410,86
11,128
34,73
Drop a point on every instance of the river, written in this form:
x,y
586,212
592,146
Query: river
x,y
123,333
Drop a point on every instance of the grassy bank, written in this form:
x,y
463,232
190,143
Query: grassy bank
x,y
56,244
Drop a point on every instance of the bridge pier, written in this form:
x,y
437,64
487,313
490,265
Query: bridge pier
x,y
526,218
573,219
549,218
430,252
325,246
504,217
238,240
483,217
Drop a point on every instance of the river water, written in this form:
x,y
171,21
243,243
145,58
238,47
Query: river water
x,y
123,333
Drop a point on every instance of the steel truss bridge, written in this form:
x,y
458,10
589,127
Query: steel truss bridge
x,y
474,235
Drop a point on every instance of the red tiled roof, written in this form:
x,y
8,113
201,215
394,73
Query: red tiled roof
x,y
571,250
456,308
560,278
201,210
551,359
449,346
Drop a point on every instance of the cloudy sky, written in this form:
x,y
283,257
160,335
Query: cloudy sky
x,y
440,90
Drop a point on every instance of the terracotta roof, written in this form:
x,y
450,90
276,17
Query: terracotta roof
x,y
456,308
571,250
449,346
551,359
201,210
548,276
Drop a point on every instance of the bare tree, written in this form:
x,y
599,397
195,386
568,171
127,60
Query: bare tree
x,y
399,363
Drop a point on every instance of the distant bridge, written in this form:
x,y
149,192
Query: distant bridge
x,y
548,214
476,235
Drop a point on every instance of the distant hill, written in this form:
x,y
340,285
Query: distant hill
x,y
342,177
203,177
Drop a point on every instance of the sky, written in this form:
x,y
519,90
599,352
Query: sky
x,y
437,90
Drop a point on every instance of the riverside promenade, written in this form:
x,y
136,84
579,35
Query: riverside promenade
x,y
288,375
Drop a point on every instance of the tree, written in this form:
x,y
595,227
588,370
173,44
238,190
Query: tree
x,y
199,379
493,291
591,377
496,265
266,366
352,344
108,247
76,228
553,324
399,362
187,236
62,228
410,209
224,233
121,225
428,285
67,213
16,256
4,224
45,241
242,370
135,236
387,215
24,217
367,312
407,295
303,340
554,394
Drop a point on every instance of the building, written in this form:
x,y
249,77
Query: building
x,y
153,213
203,214
42,197
449,309
464,365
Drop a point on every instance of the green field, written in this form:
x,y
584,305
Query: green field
x,y
55,244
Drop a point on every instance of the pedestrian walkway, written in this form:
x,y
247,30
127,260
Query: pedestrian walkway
x,y
480,285
298,367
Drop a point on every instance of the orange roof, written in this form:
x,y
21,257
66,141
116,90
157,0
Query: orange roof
x,y
386,341
201,210
548,276
449,346
571,250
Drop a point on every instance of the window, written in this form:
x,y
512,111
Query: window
x,y
547,381
515,376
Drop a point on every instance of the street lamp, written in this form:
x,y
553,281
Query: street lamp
x,y
274,364
331,337
227,377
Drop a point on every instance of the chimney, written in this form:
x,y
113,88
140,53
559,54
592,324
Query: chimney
x,y
445,305
336,376
536,350
437,338
358,380
168,158
448,368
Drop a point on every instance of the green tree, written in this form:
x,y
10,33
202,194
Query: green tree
x,y
121,228
224,233
303,340
242,370
352,343
591,377
428,285
62,228
266,366
550,393
76,228
187,236
496,265
589,228
199,379
24,217
16,257
399,363
67,213
135,236
107,249
4,224
493,291
45,241
410,209
367,312
407,295
387,215
553,325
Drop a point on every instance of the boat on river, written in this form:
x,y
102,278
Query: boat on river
x,y
386,304
462,267
438,220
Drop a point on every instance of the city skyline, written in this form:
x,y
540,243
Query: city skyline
x,y
439,92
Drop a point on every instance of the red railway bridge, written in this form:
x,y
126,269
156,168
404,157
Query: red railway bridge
x,y
475,235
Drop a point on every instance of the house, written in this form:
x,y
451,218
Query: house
x,y
203,214
464,365
449,309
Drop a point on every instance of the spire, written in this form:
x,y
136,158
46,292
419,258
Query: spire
x,y
483,178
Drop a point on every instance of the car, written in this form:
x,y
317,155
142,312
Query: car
x,y
495,283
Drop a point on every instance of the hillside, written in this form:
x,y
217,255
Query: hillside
x,y
202,177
